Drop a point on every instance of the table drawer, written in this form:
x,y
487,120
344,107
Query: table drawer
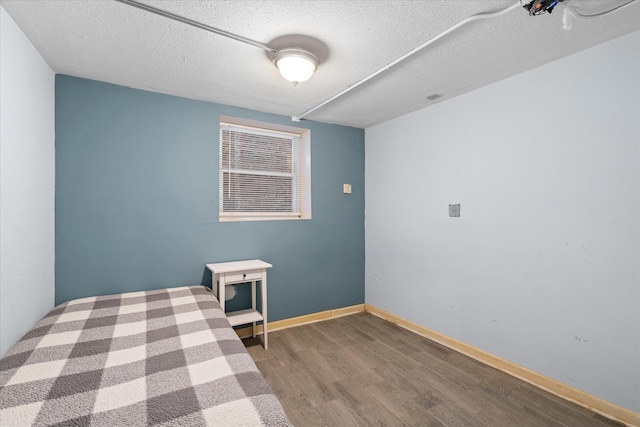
x,y
242,276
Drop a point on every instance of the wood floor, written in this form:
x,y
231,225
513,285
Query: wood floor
x,y
360,370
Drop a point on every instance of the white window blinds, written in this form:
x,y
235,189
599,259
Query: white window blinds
x,y
259,172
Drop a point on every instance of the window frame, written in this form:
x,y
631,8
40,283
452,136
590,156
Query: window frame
x,y
301,176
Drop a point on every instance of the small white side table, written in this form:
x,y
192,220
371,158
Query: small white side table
x,y
229,273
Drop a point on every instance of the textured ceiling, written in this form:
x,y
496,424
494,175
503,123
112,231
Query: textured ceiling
x,y
116,43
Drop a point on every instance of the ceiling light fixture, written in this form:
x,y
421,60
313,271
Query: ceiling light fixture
x,y
296,65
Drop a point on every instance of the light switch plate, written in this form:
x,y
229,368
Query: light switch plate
x,y
454,210
346,188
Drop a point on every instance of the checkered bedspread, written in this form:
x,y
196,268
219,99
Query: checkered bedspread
x,y
167,357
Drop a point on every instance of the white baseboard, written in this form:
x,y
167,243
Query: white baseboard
x,y
302,320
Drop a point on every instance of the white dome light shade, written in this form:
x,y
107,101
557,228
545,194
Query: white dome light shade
x,y
295,65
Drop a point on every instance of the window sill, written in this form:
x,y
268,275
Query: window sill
x,y
259,217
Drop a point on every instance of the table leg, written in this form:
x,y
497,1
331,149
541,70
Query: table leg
x,y
214,284
263,288
253,303
221,289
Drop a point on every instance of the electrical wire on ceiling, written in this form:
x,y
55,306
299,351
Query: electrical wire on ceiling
x,y
606,12
571,12
197,24
477,17
548,8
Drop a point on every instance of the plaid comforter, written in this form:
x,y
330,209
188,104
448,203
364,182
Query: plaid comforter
x,y
166,357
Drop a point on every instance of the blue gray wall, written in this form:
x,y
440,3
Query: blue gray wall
x,y
137,202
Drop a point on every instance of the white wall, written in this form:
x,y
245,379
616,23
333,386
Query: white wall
x,y
27,163
542,267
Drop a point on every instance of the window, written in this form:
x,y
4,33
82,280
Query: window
x,y
264,173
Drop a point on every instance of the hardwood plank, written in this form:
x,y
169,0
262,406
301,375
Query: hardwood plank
x,y
256,350
514,408
503,384
282,349
445,370
300,412
282,379
557,411
463,399
354,334
365,406
363,322
407,410
493,417
273,372
400,342
267,367
393,356
504,411
559,400
363,356
315,388
412,338
474,368
314,362
318,340
299,337
296,342
606,421
452,416
419,392
348,367
332,329
335,413
425,380
391,332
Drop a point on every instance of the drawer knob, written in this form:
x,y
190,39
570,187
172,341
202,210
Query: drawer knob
x,y
244,275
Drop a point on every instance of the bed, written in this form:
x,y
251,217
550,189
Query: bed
x,y
165,357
